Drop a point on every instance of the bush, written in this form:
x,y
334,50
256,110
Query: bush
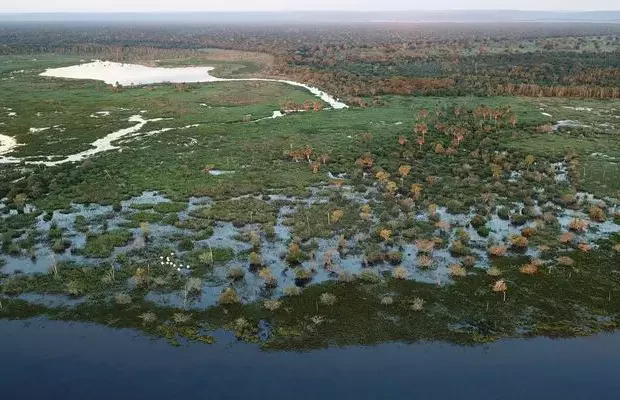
x,y
228,296
369,276
328,299
186,244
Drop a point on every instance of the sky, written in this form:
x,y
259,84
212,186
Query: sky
x,y
288,5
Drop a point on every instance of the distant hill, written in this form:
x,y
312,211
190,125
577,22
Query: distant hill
x,y
457,16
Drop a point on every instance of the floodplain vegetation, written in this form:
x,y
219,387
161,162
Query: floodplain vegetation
x,y
468,194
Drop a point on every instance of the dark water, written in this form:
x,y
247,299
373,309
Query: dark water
x,y
53,360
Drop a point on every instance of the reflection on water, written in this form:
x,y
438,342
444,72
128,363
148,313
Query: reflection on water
x,y
56,360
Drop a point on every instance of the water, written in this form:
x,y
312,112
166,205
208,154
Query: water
x,y
56,360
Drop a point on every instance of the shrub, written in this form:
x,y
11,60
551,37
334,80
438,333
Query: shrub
x,y
597,214
529,269
228,296
394,257
565,261
458,249
186,244
235,273
478,221
328,299
519,242
417,304
272,305
578,224
387,300
424,262
494,271
122,298
369,276
400,272
292,291
457,270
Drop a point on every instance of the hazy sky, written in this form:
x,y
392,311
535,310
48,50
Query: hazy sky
x,y
286,5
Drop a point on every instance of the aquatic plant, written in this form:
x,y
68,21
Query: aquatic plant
x,y
394,257
292,291
272,304
400,272
228,296
327,299
528,232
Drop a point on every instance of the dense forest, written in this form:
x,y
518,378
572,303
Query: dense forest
x,y
363,60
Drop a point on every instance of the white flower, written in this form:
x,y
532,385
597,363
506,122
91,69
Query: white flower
x,y
179,269
161,257
162,263
187,266
172,254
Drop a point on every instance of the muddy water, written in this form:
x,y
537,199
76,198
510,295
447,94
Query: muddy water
x,y
51,359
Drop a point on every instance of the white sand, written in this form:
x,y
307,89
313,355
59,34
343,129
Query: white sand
x,y
131,74
7,144
134,74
